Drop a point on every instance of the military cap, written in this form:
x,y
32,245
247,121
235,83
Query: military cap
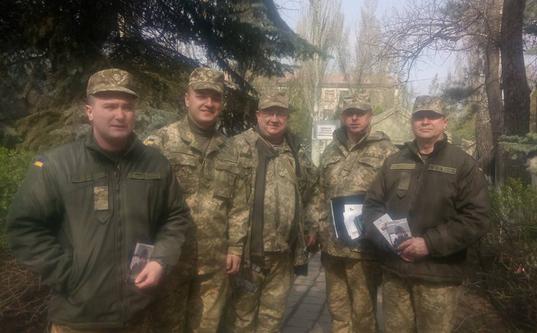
x,y
278,99
358,102
112,79
207,78
429,103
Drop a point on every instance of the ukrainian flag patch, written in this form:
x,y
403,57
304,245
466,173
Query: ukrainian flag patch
x,y
39,163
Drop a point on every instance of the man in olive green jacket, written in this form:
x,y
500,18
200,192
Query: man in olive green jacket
x,y
83,208
442,193
348,166
282,180
207,169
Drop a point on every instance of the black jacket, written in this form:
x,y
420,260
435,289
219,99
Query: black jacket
x,y
76,220
444,198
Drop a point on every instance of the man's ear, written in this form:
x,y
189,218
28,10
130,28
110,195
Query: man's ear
x,y
187,103
88,109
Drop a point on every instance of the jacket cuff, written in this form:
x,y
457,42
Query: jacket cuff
x,y
429,244
235,250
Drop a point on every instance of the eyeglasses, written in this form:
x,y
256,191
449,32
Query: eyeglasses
x,y
272,113
431,115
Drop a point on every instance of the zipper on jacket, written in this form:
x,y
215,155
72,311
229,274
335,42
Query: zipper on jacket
x,y
117,175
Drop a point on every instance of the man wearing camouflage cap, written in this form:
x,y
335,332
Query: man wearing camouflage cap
x,y
348,166
282,180
207,169
84,207
442,193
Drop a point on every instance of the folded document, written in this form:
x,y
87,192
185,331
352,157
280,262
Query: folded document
x,y
394,232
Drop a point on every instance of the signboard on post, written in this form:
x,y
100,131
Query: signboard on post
x,y
323,129
321,137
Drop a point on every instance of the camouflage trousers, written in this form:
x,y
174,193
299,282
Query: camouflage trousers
x,y
168,313
417,306
190,303
259,298
351,286
209,294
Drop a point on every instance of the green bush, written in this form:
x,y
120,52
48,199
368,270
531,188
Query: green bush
x,y
509,255
13,165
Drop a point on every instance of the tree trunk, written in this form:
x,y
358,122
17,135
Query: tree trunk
x,y
494,103
491,53
515,85
493,90
483,131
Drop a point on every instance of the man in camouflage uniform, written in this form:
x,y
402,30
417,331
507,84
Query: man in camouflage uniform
x,y
83,208
207,169
348,166
442,193
282,180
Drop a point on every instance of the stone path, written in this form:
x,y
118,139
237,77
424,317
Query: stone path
x,y
306,306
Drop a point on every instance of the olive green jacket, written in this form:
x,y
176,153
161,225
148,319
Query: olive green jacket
x,y
444,198
245,143
215,192
345,172
76,220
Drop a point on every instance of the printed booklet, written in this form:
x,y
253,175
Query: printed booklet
x,y
347,217
394,231
141,256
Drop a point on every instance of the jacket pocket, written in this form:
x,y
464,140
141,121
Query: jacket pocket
x,y
403,184
226,173
185,166
93,187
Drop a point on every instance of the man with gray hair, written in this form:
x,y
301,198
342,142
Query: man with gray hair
x,y
282,180
442,194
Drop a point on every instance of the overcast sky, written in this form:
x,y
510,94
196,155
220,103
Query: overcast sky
x,y
422,73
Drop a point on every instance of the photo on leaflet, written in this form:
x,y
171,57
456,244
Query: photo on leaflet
x,y
399,231
142,254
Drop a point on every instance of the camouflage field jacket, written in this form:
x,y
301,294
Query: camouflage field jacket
x,y
214,189
306,183
346,172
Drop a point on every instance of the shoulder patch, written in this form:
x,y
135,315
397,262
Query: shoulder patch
x,y
39,163
403,166
443,169
152,141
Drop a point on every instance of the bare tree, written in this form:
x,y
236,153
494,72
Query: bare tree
x,y
367,60
322,26
454,26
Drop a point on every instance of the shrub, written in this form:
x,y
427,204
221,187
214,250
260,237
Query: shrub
x,y
13,165
509,256
22,297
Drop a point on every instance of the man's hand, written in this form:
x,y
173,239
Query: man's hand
x,y
413,249
233,264
150,276
311,241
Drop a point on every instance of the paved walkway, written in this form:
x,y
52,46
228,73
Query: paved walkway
x,y
306,306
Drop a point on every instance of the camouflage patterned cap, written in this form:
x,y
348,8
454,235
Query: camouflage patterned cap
x,y
278,99
429,103
358,102
207,78
111,79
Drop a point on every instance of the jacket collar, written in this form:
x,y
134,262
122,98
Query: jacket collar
x,y
217,141
134,146
252,135
438,147
340,137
